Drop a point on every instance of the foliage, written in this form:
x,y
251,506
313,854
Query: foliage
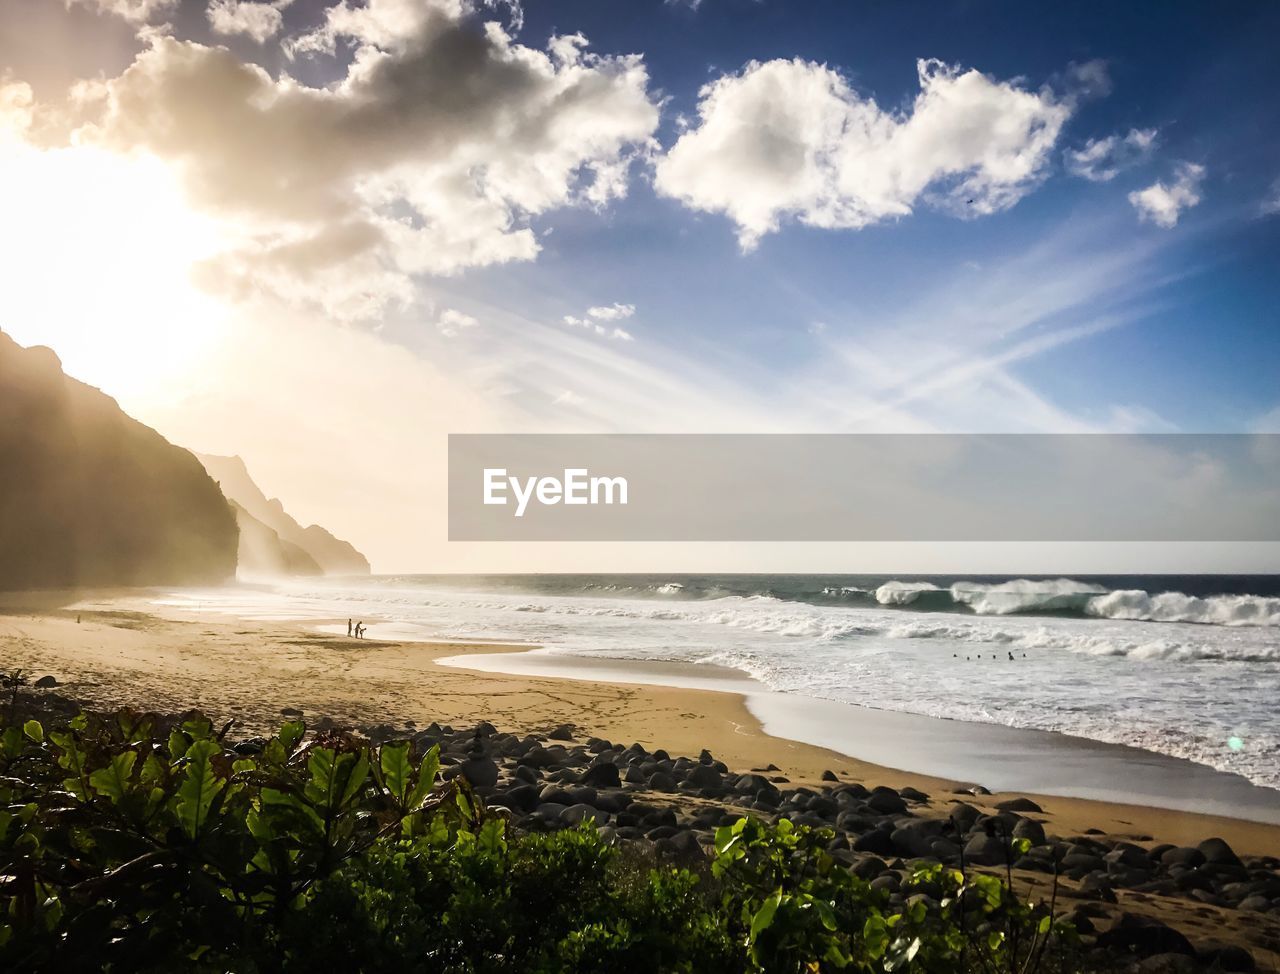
x,y
127,845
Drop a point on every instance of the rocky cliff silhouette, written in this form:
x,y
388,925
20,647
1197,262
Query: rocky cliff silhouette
x,y
91,497
311,550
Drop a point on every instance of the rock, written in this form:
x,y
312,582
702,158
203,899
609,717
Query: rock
x,y
1144,937
556,795
912,842
541,757
1082,862
829,776
1030,829
913,794
549,812
661,781
1098,885
253,745
876,841
869,867
45,682
1182,856
1214,850
978,790
704,776
963,817
986,850
290,712
577,814
481,772
522,798
823,806
525,773
1128,855
1254,904
602,776
886,801
752,783
1019,805
562,733
1168,964
1226,957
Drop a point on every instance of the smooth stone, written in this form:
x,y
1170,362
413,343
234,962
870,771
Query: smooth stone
x,y
1019,805
481,772
577,814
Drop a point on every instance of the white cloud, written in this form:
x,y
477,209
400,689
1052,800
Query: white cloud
x,y
568,397
1163,203
791,139
452,322
429,155
1101,160
591,321
259,20
134,11
1270,206
612,312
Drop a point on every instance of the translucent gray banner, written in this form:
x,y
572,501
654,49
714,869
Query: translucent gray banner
x,y
856,487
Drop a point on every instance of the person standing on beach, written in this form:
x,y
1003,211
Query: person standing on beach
x,y
348,628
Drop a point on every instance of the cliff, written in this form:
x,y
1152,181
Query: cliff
x,y
333,556
90,496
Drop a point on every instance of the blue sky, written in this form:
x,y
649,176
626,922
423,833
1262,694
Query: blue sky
x,y
735,215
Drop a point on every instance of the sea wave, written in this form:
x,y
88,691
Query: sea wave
x,y
1219,610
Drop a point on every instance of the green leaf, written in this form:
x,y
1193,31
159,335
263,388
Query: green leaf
x,y
11,741
291,733
356,777
1045,923
178,744
113,780
34,731
427,772
764,916
199,787
875,935
397,769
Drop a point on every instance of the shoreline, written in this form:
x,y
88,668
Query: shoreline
x,y
129,651
1002,758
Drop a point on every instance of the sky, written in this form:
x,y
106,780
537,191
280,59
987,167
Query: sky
x,y
323,236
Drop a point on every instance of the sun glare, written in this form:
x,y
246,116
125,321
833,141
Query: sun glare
x,y
98,251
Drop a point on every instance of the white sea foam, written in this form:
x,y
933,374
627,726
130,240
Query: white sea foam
x,y
1203,692
903,593
1220,610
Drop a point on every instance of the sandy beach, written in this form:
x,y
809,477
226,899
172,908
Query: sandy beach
x,y
123,650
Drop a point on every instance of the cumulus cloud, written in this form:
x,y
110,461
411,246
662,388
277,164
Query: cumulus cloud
x,y
612,312
791,139
1162,203
258,20
1101,160
429,155
134,11
452,322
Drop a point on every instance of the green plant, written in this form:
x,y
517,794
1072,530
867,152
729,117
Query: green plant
x,y
131,843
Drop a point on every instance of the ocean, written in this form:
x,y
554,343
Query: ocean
x,y
1185,666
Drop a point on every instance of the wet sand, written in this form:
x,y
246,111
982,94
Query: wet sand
x,y
127,651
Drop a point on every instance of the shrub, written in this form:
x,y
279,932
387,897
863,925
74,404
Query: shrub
x,y
131,844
